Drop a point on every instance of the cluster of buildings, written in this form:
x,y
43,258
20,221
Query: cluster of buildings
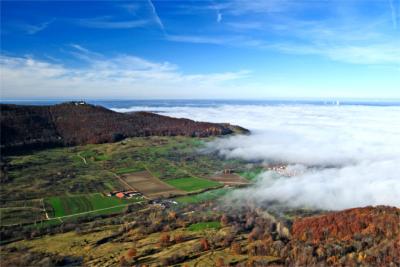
x,y
282,170
163,203
78,103
124,194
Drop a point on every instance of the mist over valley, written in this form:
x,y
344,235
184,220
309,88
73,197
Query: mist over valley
x,y
342,156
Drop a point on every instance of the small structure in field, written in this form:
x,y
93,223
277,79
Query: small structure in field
x,y
124,194
163,203
229,171
120,195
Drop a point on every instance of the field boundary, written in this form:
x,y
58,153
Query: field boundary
x,y
63,206
149,185
90,211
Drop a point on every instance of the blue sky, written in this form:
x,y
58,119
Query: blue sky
x,y
200,49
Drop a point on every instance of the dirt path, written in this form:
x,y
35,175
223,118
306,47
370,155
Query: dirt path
x,y
147,169
44,209
83,159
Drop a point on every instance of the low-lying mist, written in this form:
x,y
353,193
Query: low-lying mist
x,y
345,156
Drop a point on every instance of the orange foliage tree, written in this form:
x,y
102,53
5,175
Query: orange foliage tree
x,y
164,239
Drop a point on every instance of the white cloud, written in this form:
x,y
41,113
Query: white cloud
x,y
363,184
116,77
219,17
198,39
239,7
132,8
246,25
34,28
379,53
348,156
342,32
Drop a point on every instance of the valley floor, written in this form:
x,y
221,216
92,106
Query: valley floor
x,y
159,201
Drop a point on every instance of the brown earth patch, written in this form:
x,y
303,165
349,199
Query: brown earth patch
x,y
149,185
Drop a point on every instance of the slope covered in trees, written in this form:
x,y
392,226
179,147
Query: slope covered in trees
x,y
78,123
367,236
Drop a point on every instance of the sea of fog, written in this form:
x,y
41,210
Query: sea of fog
x,y
343,154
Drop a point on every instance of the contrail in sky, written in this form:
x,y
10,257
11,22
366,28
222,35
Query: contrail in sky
x,y
393,10
156,17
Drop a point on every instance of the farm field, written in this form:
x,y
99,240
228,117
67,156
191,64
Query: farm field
x,y
72,179
128,170
13,212
92,168
204,196
15,215
69,205
230,179
150,186
191,184
195,227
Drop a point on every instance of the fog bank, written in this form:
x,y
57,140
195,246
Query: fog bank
x,y
349,155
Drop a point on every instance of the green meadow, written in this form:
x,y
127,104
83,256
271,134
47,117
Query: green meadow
x,y
204,225
204,196
69,205
190,184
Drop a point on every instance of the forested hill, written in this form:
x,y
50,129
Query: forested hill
x,y
78,123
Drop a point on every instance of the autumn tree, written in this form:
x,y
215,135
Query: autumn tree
x,y
204,244
236,248
131,253
254,234
224,220
181,223
220,262
123,262
178,238
164,239
172,216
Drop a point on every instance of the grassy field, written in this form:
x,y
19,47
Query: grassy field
x,y
68,205
202,197
58,171
86,170
190,184
108,254
92,154
129,170
204,225
17,215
